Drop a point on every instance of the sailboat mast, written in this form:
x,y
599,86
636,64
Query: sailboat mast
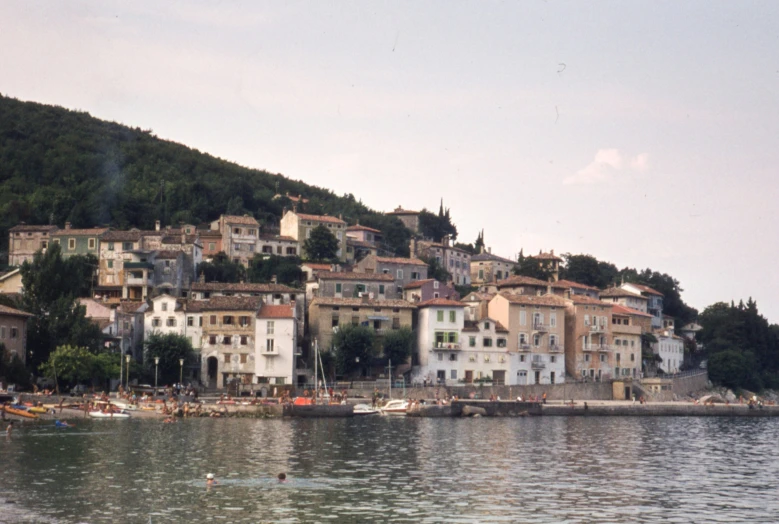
x,y
389,367
316,368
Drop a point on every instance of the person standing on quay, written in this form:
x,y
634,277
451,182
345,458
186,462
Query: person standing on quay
x,y
544,397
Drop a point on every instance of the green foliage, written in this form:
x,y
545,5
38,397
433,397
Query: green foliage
x,y
170,348
437,226
730,368
398,345
588,270
12,369
673,305
321,245
50,292
285,269
436,270
222,269
531,267
70,365
352,343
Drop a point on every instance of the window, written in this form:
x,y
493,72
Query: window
x,y
269,345
338,287
501,342
632,357
190,321
236,230
452,316
244,340
523,338
127,246
453,374
227,320
227,339
270,327
603,358
164,306
586,358
244,356
171,322
441,356
435,284
536,340
395,323
334,322
618,357
522,318
244,321
553,319
487,342
71,243
553,359
228,356
212,246
200,321
110,264
440,316
212,339
253,232
91,243
213,320
292,251
414,275
14,332
155,322
355,320
472,342
453,357
586,320
400,273
522,358
381,289
486,325
110,246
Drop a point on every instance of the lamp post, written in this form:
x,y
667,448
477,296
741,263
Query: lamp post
x,y
181,371
121,370
156,365
127,359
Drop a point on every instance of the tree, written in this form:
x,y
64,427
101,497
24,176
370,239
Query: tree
x,y
354,348
321,245
50,292
588,270
436,270
729,368
437,226
69,365
532,267
285,269
222,269
12,369
398,345
170,348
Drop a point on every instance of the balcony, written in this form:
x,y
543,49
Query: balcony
x,y
523,347
537,365
589,347
540,326
138,265
554,348
604,347
446,346
138,281
265,352
594,328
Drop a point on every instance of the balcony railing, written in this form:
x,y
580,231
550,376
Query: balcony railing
x,y
537,364
136,281
554,348
265,352
595,328
440,346
589,347
604,347
523,347
540,326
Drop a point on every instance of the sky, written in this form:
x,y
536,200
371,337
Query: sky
x,y
643,133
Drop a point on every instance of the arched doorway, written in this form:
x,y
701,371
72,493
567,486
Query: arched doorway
x,y
213,365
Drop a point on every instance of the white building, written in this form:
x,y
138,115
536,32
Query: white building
x,y
276,345
671,350
170,315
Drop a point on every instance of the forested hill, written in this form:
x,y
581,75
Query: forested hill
x,y
58,165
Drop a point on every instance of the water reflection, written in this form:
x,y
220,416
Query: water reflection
x,y
548,469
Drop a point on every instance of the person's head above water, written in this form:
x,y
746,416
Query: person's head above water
x,y
210,476
282,477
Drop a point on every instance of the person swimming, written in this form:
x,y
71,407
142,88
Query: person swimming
x,y
282,477
60,424
210,480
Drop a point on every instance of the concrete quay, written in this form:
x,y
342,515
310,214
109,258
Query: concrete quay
x,y
655,409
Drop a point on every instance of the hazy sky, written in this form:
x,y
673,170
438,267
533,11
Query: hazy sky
x,y
644,133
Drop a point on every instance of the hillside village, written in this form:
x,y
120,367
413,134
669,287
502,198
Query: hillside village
x,y
507,330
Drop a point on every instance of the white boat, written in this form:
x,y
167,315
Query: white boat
x,y
395,407
125,406
365,409
100,414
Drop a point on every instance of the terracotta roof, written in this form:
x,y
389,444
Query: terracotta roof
x,y
167,254
320,218
267,236
79,232
583,299
619,292
358,227
209,233
24,228
473,325
130,306
489,256
440,302
122,236
545,256
176,239
355,302
242,287
617,309
478,296
646,289
102,323
398,260
5,310
417,283
534,300
232,303
193,306
401,211
331,275
519,280
269,311
235,219
566,284
316,266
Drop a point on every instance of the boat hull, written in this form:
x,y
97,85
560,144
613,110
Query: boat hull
x,y
100,414
323,411
20,412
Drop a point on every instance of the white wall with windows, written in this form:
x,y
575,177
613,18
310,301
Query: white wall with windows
x,y
275,347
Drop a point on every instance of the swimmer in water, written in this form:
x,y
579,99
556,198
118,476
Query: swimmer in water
x,y
282,477
210,480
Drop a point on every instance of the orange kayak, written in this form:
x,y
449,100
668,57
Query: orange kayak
x,y
20,412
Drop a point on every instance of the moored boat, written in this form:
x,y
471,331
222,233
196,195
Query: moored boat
x,y
101,414
395,407
365,409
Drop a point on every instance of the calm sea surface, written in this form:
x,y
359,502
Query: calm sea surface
x,y
545,469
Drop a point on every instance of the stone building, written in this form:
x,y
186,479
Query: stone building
x,y
24,241
589,352
212,243
454,260
79,241
352,285
487,268
239,236
428,289
409,218
13,331
520,285
299,226
404,270
282,246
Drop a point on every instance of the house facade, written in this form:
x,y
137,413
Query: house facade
x,y
239,236
487,268
404,270
13,331
282,246
11,281
454,260
588,344
167,314
520,285
670,348
79,241
352,285
24,241
212,243
409,218
624,298
299,226
654,299
276,346
626,329
428,289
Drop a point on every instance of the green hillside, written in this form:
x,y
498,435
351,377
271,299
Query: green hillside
x,y
58,165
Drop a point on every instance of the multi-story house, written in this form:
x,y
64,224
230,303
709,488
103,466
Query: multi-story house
x,y
116,248
454,260
128,327
364,234
192,249
565,288
589,352
283,246
487,268
167,314
352,285
276,346
212,243
239,236
299,226
13,331
536,332
78,241
172,273
11,281
228,340
520,285
138,275
625,298
405,270
357,250
548,262
626,327
670,348
654,304
312,269
327,314
409,218
24,241
477,305
428,289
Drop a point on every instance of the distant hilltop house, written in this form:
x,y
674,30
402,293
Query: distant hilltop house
x,y
26,240
453,259
409,218
79,241
298,226
487,268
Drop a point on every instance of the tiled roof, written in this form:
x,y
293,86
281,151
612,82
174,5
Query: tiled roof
x,y
269,311
330,275
473,325
440,302
583,299
417,283
358,227
317,267
401,211
166,254
489,256
398,260
194,306
359,302
209,233
321,218
130,306
122,236
232,304
478,296
242,287
102,323
619,292
24,228
244,220
534,300
176,239
520,280
545,256
266,236
617,309
647,289
79,232
5,310
566,284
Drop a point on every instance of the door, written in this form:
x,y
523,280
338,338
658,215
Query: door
x,y
627,393
522,378
499,377
469,376
551,377
441,376
213,365
538,377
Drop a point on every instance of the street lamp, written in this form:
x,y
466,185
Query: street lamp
x,y
181,371
156,365
127,359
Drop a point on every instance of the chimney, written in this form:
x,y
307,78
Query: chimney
x,y
489,250
67,225
274,279
183,237
156,225
551,251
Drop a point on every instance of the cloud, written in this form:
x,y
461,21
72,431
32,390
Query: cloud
x,y
607,164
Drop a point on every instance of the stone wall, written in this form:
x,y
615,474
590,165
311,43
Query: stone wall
x,y
683,386
578,391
